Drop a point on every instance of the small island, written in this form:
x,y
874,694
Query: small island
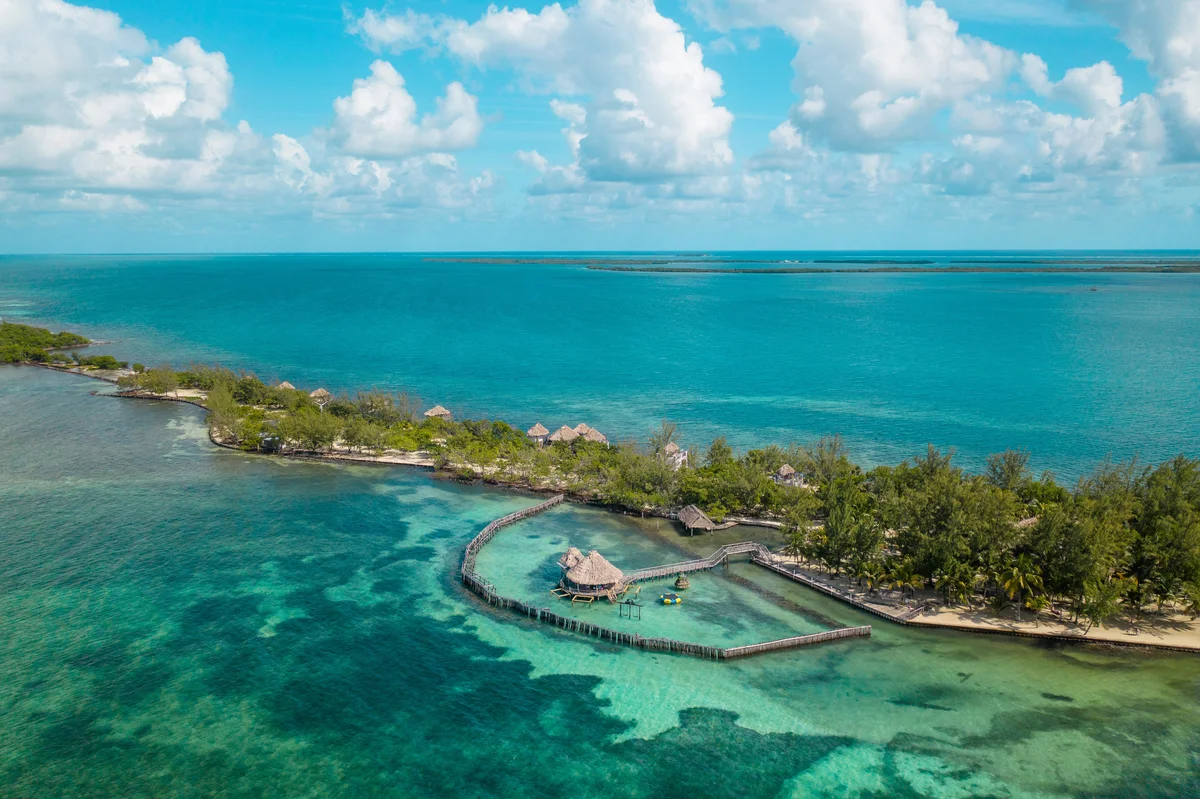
x,y
1114,558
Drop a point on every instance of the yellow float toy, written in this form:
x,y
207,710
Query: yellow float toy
x,y
670,599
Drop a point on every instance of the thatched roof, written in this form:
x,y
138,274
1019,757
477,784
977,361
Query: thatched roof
x,y
595,435
785,471
285,384
564,433
537,431
438,411
571,559
671,449
594,570
320,394
1025,524
695,519
582,429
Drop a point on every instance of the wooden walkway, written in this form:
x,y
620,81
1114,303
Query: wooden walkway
x,y
488,593
701,564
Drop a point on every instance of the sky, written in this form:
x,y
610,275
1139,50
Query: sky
x,y
455,125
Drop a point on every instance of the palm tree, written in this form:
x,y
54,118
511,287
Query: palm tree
x,y
1021,577
1037,603
903,578
873,575
1191,600
957,584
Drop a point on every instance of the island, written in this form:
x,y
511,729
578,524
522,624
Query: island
x,y
1114,558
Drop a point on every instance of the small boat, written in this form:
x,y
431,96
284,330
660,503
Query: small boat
x,y
670,599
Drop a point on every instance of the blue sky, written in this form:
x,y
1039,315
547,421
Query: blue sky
x,y
599,124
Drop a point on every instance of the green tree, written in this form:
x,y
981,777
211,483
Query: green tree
x,y
1021,578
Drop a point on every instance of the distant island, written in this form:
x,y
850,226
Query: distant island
x,y
1005,550
743,266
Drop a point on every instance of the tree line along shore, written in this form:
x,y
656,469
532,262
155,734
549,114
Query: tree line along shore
x,y
1121,544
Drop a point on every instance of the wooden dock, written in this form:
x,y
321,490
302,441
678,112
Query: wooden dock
x,y
700,564
488,593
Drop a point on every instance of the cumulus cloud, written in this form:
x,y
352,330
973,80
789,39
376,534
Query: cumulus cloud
x,y
87,106
1165,34
379,118
643,104
871,73
94,117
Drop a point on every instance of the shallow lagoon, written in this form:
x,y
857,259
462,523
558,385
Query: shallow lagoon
x,y
182,621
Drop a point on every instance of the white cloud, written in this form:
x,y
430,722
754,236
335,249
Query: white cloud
x,y
86,106
379,118
872,73
647,103
392,32
95,118
1165,34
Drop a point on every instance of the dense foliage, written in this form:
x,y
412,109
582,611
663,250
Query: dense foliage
x,y
1123,540
23,344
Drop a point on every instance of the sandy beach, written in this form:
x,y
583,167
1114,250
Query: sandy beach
x,y
1168,631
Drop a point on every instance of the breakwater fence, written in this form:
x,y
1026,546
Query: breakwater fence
x,y
488,593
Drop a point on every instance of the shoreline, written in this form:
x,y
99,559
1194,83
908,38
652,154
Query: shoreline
x,y
944,618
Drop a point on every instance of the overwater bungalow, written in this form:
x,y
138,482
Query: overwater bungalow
x,y
564,434
538,434
438,412
695,519
589,577
675,456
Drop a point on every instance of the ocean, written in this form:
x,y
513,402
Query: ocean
x,y
179,620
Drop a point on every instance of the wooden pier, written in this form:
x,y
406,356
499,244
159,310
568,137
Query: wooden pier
x,y
487,592
714,560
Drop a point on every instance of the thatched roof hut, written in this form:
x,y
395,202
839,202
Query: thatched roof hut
x,y
571,559
785,471
564,433
671,449
438,412
320,395
286,385
1025,524
537,431
695,519
595,435
593,572
675,456
582,429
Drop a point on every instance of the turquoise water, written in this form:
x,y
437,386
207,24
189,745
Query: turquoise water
x,y
981,362
181,621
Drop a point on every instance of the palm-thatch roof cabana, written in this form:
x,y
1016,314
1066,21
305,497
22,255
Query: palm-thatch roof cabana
x,y
695,519
595,435
582,429
591,575
438,412
785,471
564,433
571,559
286,385
320,395
538,433
675,456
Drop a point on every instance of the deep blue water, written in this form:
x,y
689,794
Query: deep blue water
x,y
1073,368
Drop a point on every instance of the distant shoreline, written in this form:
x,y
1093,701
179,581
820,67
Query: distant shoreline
x,y
688,265
1159,269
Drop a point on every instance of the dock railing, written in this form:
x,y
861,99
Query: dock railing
x,y
488,593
